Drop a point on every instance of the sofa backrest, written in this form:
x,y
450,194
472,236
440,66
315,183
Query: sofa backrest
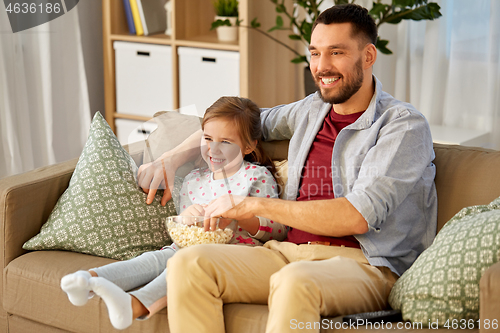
x,y
465,176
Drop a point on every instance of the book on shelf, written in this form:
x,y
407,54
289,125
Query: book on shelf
x,y
153,16
137,18
141,15
130,18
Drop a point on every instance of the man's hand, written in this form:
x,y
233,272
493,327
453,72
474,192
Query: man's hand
x,y
229,206
151,177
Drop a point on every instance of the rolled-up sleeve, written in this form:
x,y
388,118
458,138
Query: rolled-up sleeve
x,y
389,171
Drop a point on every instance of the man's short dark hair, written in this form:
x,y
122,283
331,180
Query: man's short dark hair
x,y
362,23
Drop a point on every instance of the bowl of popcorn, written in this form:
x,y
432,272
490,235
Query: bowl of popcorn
x,y
188,230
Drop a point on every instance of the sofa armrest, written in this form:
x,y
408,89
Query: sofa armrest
x,y
489,298
26,201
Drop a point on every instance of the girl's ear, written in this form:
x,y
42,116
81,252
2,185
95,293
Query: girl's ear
x,y
250,149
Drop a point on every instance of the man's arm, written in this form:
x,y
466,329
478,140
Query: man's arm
x,y
335,217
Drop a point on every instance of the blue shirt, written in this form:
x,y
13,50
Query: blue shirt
x,y
382,164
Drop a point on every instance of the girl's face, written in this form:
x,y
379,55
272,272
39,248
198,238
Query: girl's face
x,y
222,147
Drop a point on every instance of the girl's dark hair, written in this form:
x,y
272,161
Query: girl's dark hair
x,y
362,23
246,116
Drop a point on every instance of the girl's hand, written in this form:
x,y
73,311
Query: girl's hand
x,y
160,174
151,177
194,210
229,206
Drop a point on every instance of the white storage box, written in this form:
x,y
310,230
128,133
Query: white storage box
x,y
143,78
129,131
205,75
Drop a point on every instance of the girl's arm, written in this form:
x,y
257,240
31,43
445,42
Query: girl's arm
x,y
151,176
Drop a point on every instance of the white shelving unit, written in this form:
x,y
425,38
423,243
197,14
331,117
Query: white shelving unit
x,y
266,74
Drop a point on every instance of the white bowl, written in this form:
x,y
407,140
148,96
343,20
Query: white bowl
x,y
188,230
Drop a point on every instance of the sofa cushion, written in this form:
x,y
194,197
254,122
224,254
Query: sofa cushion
x,y
103,211
32,290
443,283
173,128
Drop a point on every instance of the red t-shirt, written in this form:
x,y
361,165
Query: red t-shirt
x,y
316,181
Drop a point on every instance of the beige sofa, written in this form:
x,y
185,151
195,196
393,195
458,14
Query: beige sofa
x,y
33,301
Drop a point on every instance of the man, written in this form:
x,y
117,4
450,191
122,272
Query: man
x,y
361,201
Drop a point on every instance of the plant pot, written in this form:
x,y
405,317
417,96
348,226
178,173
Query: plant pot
x,y
309,85
225,33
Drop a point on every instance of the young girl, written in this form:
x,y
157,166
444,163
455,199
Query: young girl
x,y
237,165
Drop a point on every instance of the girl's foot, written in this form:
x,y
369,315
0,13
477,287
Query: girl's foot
x,y
118,302
77,287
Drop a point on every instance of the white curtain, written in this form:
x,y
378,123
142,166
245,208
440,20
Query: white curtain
x,y
44,103
449,68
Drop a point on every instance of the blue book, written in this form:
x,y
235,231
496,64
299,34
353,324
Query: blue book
x,y
130,18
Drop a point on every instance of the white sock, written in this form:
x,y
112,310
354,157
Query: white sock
x,y
77,287
118,302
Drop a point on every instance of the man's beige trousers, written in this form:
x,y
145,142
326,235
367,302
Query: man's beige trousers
x,y
300,283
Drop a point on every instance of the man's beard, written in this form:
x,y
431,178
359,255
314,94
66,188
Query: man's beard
x,y
349,88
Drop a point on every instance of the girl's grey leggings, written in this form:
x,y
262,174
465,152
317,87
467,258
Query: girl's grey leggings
x,y
148,269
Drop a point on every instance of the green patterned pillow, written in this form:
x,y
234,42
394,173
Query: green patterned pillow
x,y
103,212
442,286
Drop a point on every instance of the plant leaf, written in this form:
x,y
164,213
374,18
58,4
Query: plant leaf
x,y
279,24
294,37
226,7
302,3
280,8
434,10
306,28
382,46
377,10
255,24
279,21
220,23
403,3
424,12
300,59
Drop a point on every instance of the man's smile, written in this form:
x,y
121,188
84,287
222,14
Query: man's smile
x,y
329,80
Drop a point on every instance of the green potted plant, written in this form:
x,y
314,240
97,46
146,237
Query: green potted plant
x,y
226,13
300,28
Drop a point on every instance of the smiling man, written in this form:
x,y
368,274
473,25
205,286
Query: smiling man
x,y
360,200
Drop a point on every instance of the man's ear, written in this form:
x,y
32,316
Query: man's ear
x,y
370,55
